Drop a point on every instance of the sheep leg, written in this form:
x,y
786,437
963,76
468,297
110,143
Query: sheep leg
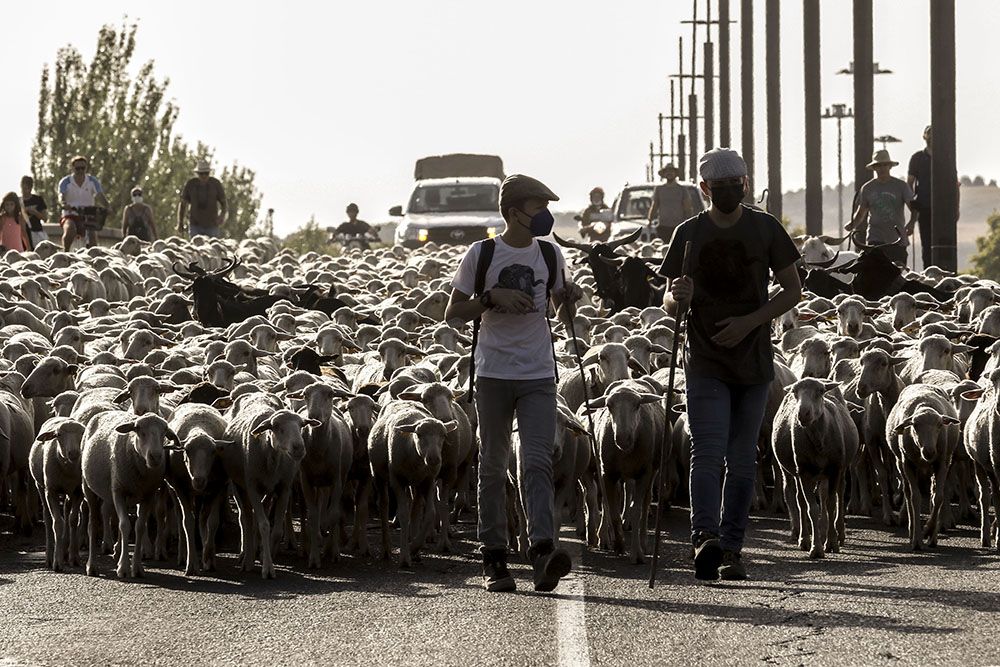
x,y
142,524
282,510
50,506
264,533
247,535
74,504
841,512
882,475
93,525
124,533
359,536
984,484
612,511
812,494
832,512
188,521
404,508
313,518
383,511
332,497
996,508
209,530
640,517
912,496
162,518
593,509
939,498
789,490
805,518
444,516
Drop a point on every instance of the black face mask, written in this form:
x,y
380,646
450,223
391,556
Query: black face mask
x,y
727,198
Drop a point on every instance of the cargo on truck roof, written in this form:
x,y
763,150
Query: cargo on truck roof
x,y
458,165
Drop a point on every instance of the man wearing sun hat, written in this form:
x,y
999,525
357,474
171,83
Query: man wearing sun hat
x,y
671,203
205,198
882,202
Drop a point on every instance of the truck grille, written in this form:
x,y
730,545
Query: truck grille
x,y
456,235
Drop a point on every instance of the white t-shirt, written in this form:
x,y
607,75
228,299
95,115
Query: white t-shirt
x,y
513,347
79,195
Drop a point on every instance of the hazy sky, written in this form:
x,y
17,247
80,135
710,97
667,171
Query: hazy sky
x,y
332,102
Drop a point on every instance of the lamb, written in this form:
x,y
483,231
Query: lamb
x,y
982,443
264,462
815,441
922,430
123,466
405,450
196,475
55,467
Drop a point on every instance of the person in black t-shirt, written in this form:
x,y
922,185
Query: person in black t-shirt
x,y
919,179
729,360
353,226
36,210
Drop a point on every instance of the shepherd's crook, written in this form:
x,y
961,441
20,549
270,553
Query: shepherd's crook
x,y
668,403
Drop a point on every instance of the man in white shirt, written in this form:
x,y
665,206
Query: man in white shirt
x,y
515,365
79,189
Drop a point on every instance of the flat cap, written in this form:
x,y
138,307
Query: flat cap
x,y
517,187
721,163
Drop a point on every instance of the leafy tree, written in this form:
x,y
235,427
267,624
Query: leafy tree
x,y
986,261
310,237
978,182
125,125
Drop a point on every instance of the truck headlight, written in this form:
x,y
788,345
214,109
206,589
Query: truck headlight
x,y
422,235
491,232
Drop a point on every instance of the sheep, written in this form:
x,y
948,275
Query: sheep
x,y
405,450
936,352
922,430
264,462
811,358
123,466
982,443
196,475
815,441
361,412
628,424
323,472
878,386
55,468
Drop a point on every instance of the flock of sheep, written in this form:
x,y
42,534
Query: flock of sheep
x,y
312,389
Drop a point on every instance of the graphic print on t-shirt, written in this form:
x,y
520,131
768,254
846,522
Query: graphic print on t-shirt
x,y
724,271
519,277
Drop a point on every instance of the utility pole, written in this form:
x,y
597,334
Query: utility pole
x,y
772,63
864,90
681,136
840,112
813,117
944,168
746,90
725,132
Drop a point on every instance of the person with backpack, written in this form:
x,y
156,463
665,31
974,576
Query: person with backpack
x,y
505,285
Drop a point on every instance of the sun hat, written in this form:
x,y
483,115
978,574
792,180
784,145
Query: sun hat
x,y
202,167
881,157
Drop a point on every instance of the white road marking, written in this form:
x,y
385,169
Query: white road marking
x,y
571,617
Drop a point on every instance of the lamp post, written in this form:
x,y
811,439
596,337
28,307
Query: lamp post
x,y
840,112
886,139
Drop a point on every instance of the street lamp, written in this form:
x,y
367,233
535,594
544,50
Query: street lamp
x,y
887,139
840,112
876,69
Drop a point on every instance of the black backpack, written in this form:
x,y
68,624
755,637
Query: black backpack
x,y
482,265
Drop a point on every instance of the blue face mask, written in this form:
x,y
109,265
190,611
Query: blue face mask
x,y
541,223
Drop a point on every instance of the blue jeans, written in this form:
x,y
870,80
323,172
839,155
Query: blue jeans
x,y
211,231
725,424
533,403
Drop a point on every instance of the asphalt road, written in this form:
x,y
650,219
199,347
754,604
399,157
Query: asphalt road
x,y
875,604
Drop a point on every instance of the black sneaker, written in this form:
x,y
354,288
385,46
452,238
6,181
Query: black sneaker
x,y
707,557
732,568
550,565
496,576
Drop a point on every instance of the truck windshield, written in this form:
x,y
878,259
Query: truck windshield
x,y
635,203
455,198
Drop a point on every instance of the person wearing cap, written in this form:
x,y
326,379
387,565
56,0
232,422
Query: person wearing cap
x,y
515,370
137,218
918,177
729,358
882,202
77,190
206,199
594,223
353,226
671,203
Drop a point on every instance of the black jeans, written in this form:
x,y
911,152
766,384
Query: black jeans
x,y
924,224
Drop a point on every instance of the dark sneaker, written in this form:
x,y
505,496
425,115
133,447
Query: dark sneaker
x,y
732,568
496,576
550,565
707,557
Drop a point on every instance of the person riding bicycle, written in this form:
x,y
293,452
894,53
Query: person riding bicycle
x,y
137,218
595,221
354,229
78,190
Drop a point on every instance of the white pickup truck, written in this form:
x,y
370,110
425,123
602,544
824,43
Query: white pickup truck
x,y
455,199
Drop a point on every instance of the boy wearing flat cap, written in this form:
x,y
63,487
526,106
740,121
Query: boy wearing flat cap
x,y
728,362
513,278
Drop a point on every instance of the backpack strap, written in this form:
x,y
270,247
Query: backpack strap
x,y
549,255
486,250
